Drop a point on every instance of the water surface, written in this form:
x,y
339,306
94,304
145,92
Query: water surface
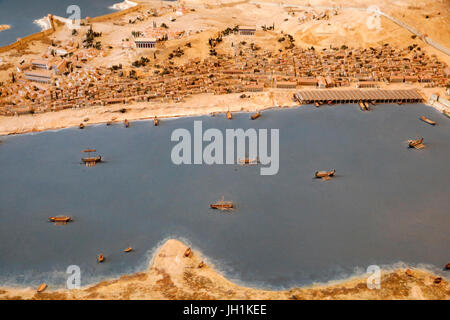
x,y
388,203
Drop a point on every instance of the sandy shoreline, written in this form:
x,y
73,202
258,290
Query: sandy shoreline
x,y
198,105
171,275
204,104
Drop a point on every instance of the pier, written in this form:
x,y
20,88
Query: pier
x,y
355,96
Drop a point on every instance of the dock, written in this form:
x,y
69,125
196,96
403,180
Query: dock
x,y
355,96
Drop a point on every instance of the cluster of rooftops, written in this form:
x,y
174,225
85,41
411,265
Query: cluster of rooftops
x,y
69,82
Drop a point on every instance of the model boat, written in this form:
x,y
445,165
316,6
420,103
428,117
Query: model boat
x,y
60,219
42,287
248,161
425,119
89,159
324,174
222,205
415,143
255,115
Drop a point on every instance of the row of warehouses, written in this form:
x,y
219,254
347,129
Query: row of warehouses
x,y
354,96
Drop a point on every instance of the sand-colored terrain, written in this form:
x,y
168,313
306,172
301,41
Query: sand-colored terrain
x,y
203,104
171,275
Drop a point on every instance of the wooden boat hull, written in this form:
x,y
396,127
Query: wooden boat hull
x,y
323,174
156,122
188,252
42,287
100,258
92,159
63,219
229,116
446,113
316,104
128,249
415,143
425,119
255,116
221,206
248,161
81,126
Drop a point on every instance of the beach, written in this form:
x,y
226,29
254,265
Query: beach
x,y
204,104
172,275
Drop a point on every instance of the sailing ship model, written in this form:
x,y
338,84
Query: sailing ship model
x,y
222,205
90,161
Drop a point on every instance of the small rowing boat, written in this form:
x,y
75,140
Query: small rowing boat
x,y
425,119
366,104
41,288
255,115
324,174
446,113
418,144
362,106
81,126
188,252
316,104
100,258
129,249
229,116
248,161
156,122
60,219
222,205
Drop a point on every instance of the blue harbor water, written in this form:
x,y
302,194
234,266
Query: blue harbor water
x,y
387,204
